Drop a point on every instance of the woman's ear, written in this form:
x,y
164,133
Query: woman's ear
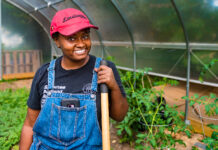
x,y
57,42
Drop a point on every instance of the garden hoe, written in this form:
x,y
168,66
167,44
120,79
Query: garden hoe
x,y
105,114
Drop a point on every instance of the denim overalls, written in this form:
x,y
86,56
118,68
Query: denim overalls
x,y
65,128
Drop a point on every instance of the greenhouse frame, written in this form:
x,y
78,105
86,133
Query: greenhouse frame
x,y
148,37
167,39
175,42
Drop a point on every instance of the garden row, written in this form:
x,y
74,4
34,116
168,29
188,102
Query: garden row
x,y
149,124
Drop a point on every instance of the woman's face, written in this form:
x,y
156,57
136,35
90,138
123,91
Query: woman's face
x,y
75,47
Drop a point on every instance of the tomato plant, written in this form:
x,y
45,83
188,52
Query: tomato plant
x,y
150,122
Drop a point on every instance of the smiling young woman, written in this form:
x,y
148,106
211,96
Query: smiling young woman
x,y
64,105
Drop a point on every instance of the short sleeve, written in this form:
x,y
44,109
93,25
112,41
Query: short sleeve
x,y
117,77
33,101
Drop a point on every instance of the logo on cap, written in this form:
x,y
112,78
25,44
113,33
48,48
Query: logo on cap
x,y
52,28
73,16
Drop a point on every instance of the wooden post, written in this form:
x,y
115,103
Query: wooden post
x,y
27,63
15,64
3,63
7,63
21,63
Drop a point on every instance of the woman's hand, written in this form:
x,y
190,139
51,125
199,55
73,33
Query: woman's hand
x,y
118,103
106,75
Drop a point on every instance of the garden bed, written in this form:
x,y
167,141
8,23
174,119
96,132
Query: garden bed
x,y
115,140
173,96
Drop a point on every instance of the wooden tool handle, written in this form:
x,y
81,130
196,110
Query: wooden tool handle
x,y
105,114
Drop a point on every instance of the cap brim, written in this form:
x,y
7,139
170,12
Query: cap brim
x,y
75,28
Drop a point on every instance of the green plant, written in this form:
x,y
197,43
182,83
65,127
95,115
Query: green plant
x,y
210,104
12,112
212,142
194,148
149,121
206,68
8,80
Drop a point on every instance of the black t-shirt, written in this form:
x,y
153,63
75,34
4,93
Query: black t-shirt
x,y
68,81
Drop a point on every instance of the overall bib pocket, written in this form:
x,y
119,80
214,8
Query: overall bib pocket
x,y
67,124
37,145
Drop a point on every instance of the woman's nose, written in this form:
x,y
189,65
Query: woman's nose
x,y
80,43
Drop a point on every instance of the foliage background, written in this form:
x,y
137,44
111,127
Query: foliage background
x,y
13,112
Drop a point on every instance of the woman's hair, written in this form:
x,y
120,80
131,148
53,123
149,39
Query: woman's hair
x,y
56,34
87,30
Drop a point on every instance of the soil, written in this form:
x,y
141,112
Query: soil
x,y
115,140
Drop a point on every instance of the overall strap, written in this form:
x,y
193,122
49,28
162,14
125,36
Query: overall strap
x,y
95,75
51,74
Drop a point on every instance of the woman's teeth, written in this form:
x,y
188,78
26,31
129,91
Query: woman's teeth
x,y
80,51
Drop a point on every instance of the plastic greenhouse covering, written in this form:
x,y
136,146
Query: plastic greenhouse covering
x,y
135,33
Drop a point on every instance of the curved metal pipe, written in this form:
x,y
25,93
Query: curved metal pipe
x,y
91,20
49,4
37,10
35,18
116,6
189,59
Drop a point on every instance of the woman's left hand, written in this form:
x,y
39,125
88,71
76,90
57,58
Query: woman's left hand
x,y
106,75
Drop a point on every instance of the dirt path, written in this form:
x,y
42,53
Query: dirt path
x,y
16,84
115,144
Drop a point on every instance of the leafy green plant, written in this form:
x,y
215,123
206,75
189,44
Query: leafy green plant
x,y
150,121
206,68
8,80
210,104
211,107
212,142
194,148
12,112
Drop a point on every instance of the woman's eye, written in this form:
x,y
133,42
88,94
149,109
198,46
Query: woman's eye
x,y
85,37
71,39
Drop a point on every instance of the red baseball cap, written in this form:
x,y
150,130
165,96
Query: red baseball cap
x,y
69,21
